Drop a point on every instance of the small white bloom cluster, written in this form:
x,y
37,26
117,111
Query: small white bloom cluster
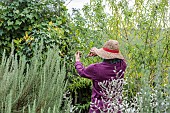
x,y
113,100
111,96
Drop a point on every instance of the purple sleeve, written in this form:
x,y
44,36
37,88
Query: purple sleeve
x,y
85,72
125,64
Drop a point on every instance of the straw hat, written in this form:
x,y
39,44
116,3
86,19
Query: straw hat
x,y
110,50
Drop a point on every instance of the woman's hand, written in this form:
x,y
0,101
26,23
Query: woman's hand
x,y
92,52
77,56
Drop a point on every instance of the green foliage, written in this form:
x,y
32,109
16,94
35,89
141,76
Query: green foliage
x,y
80,91
34,87
19,21
151,99
29,22
142,31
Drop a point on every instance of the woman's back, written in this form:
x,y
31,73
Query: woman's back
x,y
110,69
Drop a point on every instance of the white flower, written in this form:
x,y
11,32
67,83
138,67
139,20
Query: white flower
x,y
114,71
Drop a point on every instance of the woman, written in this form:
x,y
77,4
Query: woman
x,y
113,62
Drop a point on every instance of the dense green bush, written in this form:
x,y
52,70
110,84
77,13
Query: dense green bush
x,y
37,87
27,22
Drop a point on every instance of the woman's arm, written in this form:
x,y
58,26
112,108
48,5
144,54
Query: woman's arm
x,y
88,72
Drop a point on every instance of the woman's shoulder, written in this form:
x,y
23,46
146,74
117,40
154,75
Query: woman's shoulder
x,y
95,65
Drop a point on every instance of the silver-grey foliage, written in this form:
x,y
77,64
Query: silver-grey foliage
x,y
36,86
149,99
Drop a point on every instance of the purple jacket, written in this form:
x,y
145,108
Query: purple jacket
x,y
99,72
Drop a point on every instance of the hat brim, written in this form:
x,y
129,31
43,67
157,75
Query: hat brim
x,y
107,55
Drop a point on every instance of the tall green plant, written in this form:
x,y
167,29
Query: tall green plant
x,y
37,86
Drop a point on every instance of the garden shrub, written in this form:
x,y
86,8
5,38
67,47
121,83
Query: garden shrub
x,y
27,22
37,87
